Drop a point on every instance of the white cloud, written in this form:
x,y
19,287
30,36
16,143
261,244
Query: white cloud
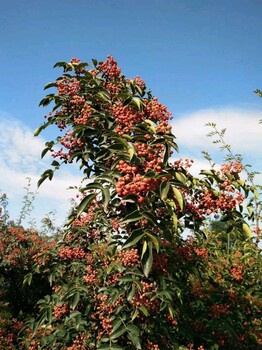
x,y
20,159
20,155
243,133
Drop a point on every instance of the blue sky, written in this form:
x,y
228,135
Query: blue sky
x,y
202,58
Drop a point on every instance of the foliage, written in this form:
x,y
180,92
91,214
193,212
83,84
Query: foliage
x,y
124,276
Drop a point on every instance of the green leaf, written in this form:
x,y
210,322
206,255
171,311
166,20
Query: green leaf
x,y
84,203
38,130
144,310
137,103
28,279
179,197
174,220
164,188
132,293
75,300
104,96
46,174
134,216
247,230
144,249
49,85
151,126
147,260
166,153
116,324
154,239
135,237
117,147
118,332
133,335
106,196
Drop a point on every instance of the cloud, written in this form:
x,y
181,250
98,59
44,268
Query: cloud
x,y
243,133
20,159
20,155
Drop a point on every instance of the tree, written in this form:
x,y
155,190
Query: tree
x,y
123,277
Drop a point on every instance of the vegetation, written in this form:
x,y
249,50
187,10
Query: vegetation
x,y
151,257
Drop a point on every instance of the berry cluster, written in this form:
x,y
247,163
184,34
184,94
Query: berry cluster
x,y
60,310
216,310
129,258
181,164
156,111
71,253
91,277
237,272
109,69
125,117
140,82
151,346
68,86
144,297
70,142
138,185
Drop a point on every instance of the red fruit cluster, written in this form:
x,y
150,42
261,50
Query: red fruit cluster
x,y
151,346
129,258
237,272
87,217
161,262
125,117
156,111
163,127
218,309
91,276
139,82
135,185
70,142
71,253
68,86
231,168
109,68
60,310
144,298
202,252
181,164
104,310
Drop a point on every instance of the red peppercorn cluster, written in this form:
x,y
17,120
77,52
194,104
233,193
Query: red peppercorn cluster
x,y
231,168
137,185
104,309
216,310
68,86
87,217
60,310
156,111
163,127
208,202
237,272
129,258
161,262
181,164
202,252
75,60
91,276
151,346
71,253
144,297
70,142
109,68
125,117
139,82
80,343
